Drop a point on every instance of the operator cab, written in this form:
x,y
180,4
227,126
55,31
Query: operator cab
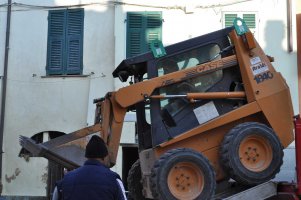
x,y
171,117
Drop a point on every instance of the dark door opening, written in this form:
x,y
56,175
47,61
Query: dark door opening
x,y
129,156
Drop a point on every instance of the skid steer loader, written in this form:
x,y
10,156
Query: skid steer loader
x,y
208,109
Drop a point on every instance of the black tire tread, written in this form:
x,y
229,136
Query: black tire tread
x,y
161,161
134,185
225,154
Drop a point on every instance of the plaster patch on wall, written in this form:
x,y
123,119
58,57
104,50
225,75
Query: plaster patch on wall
x,y
12,177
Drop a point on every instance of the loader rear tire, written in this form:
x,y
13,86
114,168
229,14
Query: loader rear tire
x,y
182,174
134,182
251,153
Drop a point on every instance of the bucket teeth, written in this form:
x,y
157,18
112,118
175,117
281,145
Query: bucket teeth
x,y
30,145
41,151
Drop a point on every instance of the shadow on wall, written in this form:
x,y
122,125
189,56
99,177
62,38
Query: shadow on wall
x,y
276,45
274,34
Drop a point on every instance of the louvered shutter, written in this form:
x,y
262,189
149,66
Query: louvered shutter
x,y
250,20
74,41
229,18
56,41
135,39
142,29
153,28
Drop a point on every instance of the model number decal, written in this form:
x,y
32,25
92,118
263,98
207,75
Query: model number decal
x,y
262,77
259,68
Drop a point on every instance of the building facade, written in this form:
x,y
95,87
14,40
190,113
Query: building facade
x,y
61,55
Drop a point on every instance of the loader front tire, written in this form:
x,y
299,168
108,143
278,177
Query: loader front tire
x,y
251,153
182,174
134,182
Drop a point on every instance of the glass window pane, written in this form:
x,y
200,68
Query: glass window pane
x,y
197,84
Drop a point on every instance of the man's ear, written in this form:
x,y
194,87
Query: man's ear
x,y
106,161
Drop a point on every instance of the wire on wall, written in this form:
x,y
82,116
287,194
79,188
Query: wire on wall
x,y
27,7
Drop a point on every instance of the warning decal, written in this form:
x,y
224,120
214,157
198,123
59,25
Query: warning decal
x,y
206,112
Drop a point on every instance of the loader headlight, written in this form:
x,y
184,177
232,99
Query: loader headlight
x,y
123,76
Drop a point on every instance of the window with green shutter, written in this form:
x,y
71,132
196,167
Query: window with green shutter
x,y
250,20
65,42
248,17
229,18
142,29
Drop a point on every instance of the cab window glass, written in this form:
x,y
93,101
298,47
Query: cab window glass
x,y
197,84
188,59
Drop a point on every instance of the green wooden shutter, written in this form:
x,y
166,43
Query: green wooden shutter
x,y
250,20
74,41
153,28
56,41
142,29
135,36
229,18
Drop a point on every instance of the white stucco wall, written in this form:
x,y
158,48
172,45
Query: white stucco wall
x,y
99,53
35,104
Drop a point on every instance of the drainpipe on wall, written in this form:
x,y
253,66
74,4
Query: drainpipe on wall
x,y
4,83
289,26
298,32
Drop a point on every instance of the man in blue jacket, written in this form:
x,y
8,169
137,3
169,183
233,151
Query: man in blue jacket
x,y
93,180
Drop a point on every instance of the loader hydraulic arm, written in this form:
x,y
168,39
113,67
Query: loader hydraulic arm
x,y
143,90
112,117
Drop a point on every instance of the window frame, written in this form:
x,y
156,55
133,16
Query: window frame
x,y
65,42
240,14
145,30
